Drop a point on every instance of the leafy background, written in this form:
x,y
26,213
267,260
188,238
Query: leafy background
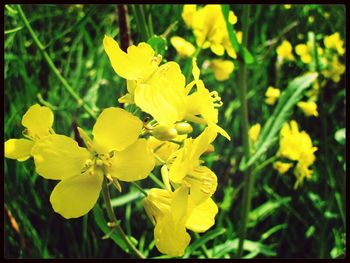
x,y
305,223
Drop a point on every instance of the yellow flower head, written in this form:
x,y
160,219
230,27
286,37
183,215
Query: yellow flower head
x,y
184,48
172,213
281,167
210,29
297,146
38,121
222,68
334,42
272,95
254,132
187,14
284,51
309,108
115,152
303,51
334,70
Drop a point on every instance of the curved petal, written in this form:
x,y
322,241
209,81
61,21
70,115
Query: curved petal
x,y
163,96
171,237
58,157
202,216
134,163
138,63
115,129
38,120
18,149
76,196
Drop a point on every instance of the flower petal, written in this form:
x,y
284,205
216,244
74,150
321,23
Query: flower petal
x,y
38,120
18,149
202,216
138,63
58,157
115,129
134,163
163,96
76,196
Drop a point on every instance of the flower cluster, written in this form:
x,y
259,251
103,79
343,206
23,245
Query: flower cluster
x,y
210,31
124,148
295,146
160,91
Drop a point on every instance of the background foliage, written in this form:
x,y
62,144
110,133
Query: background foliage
x,y
306,223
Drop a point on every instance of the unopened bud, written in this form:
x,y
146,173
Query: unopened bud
x,y
183,128
164,133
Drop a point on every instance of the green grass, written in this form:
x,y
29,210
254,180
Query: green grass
x,y
305,223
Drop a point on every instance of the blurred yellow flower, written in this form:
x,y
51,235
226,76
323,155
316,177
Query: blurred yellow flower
x,y
287,6
281,167
272,94
38,122
297,146
115,152
209,28
222,68
305,52
334,70
309,108
284,51
184,48
187,14
334,42
254,132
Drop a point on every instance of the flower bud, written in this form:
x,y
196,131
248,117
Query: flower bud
x,y
183,128
164,133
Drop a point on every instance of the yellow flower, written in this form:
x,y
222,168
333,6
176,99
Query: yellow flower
x,y
287,6
209,28
303,51
334,42
38,122
184,48
171,213
309,108
334,70
185,166
158,91
254,132
115,152
222,68
297,146
163,149
284,51
187,14
272,95
281,167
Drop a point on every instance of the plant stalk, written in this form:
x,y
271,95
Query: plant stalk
x,y
52,66
248,176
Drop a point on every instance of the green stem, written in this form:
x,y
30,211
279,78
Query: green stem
x,y
248,176
156,180
140,188
203,247
264,164
52,66
114,223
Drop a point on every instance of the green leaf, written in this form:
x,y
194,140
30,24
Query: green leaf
x,y
247,56
159,44
127,198
203,240
281,114
266,209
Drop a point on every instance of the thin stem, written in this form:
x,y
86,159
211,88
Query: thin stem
x,y
264,164
52,66
248,176
114,223
203,247
140,188
156,180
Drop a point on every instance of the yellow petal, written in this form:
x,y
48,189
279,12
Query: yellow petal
x,y
187,14
164,94
18,149
222,68
183,47
58,157
74,197
171,237
138,63
217,49
134,163
162,149
115,129
202,216
38,120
